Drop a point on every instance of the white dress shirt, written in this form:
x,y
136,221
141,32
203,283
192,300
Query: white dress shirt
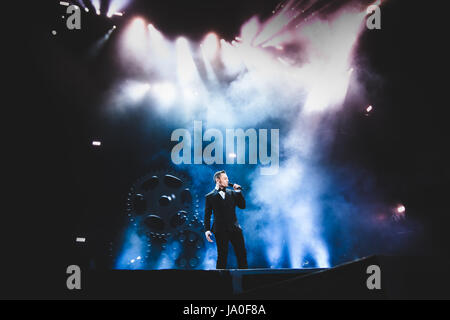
x,y
222,194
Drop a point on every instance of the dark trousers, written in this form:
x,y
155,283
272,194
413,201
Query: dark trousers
x,y
237,241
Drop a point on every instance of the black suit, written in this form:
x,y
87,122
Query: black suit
x,y
226,227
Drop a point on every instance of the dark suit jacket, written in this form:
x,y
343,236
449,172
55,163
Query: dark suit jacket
x,y
223,210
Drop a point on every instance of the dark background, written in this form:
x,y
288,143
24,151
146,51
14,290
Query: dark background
x,y
49,124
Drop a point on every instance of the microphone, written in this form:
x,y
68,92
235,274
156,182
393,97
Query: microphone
x,y
232,184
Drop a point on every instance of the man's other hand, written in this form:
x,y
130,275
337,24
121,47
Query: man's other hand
x,y
236,186
208,236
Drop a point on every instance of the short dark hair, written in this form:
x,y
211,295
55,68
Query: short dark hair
x,y
217,175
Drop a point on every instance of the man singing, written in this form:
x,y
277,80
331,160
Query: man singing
x,y
225,227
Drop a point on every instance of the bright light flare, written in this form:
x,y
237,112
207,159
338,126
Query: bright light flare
x,y
330,49
137,91
399,212
96,4
186,68
249,31
165,93
95,49
116,7
158,43
210,49
274,25
83,5
134,42
231,59
210,46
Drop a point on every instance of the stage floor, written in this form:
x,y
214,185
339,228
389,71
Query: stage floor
x,y
401,277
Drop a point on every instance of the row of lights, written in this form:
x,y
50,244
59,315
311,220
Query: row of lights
x,y
109,14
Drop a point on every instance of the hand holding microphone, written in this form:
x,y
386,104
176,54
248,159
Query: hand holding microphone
x,y
235,186
208,235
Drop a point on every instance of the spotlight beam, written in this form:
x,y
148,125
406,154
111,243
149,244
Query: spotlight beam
x,y
97,47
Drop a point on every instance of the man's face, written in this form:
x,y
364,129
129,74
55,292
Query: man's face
x,y
222,181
